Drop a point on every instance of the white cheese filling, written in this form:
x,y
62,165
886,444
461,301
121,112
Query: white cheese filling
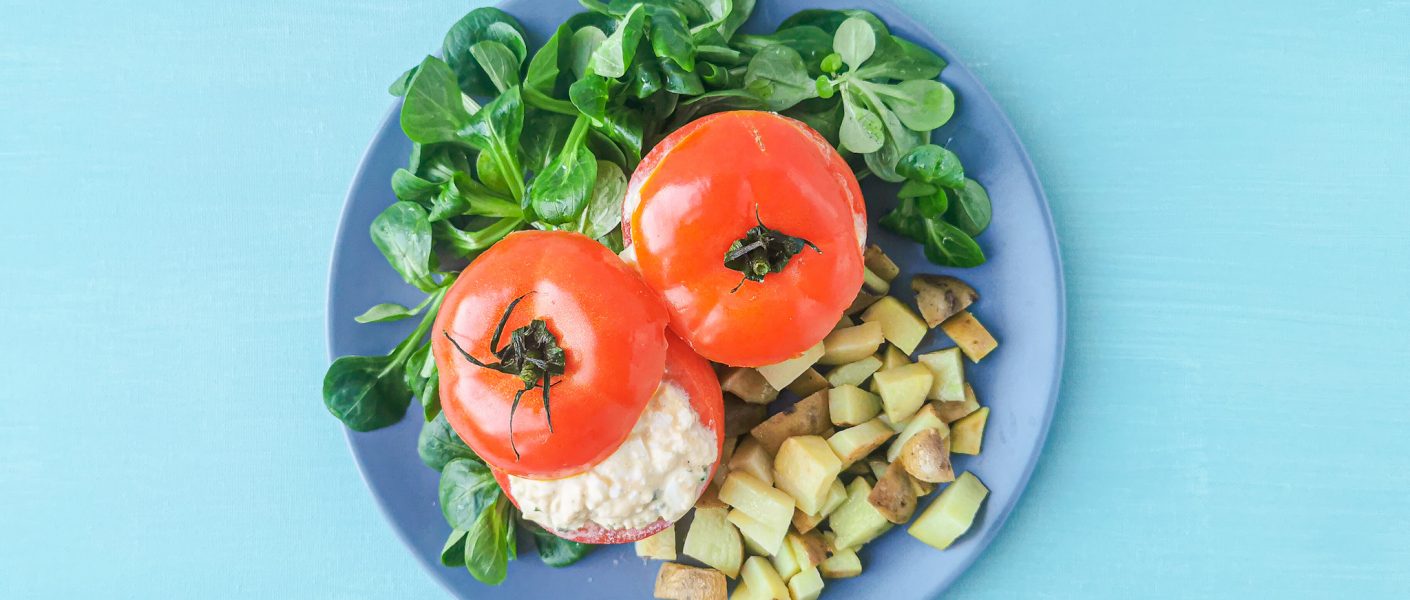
x,y
657,473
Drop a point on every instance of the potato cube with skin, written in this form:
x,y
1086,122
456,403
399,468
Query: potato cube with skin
x,y
851,344
863,301
893,495
899,324
903,390
759,539
854,443
850,405
761,577
879,263
948,371
844,322
710,497
954,411
969,335
853,373
967,434
939,297
783,561
713,540
805,468
661,546
809,549
951,514
807,384
841,565
836,495
893,357
857,522
874,283
757,499
681,582
928,417
751,457
781,374
806,417
926,457
747,385
806,585
741,416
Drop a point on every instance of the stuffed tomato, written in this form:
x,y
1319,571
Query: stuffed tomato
x,y
557,369
751,228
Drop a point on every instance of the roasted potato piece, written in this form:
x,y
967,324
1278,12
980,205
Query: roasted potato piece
x,y
863,301
851,344
806,585
836,495
857,522
759,539
871,282
928,417
899,324
849,405
879,263
710,498
948,369
747,385
781,374
940,297
742,592
805,468
741,416
844,322
926,456
770,507
808,383
808,416
893,357
954,411
680,582
661,546
892,496
841,565
969,335
853,373
903,390
854,443
808,549
751,457
713,540
762,579
784,561
967,434
951,514
726,453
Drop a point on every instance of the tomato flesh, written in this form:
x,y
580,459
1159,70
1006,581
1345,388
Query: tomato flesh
x,y
610,326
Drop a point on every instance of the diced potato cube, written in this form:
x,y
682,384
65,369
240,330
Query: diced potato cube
x,y
879,263
781,374
897,427
877,467
836,495
849,405
948,369
899,324
853,373
759,539
892,496
806,585
661,546
857,522
710,498
808,549
969,335
747,385
742,592
714,541
967,434
951,514
863,301
805,468
854,443
873,283
761,577
841,565
928,417
903,390
751,457
759,500
741,416
784,561
727,452
851,344
939,297
806,417
680,582
926,457
893,357
807,384
954,411
844,323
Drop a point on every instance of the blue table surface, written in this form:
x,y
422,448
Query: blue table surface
x,y
1231,188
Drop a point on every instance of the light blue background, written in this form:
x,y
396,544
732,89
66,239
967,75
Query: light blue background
x,y
1231,188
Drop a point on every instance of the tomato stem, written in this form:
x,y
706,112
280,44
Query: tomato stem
x,y
763,251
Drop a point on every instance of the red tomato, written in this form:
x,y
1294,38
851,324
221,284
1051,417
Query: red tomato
x,y
610,326
700,190
693,374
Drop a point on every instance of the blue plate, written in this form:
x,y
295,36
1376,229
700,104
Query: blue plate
x,y
1021,302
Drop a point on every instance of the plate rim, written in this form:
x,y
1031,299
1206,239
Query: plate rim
x,y
1030,173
